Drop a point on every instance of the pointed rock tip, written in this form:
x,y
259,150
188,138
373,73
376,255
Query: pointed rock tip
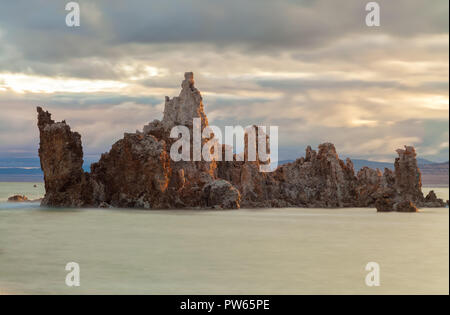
x,y
188,80
42,112
44,117
409,150
327,146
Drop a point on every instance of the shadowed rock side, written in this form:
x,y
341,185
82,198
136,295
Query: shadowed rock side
x,y
61,155
138,172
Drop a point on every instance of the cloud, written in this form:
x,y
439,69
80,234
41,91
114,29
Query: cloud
x,y
112,30
311,67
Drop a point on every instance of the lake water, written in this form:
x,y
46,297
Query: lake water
x,y
263,251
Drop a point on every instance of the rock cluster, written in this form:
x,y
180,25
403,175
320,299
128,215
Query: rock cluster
x,y
138,172
401,190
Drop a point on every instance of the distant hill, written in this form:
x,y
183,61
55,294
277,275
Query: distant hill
x,y
359,164
21,174
425,161
435,175
29,170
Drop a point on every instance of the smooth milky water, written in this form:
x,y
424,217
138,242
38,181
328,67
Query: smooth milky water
x,y
263,251
10,189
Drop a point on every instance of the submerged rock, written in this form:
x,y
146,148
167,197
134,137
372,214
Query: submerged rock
x,y
432,200
221,194
22,198
384,204
18,198
138,172
405,206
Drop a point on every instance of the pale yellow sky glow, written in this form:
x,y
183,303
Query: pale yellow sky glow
x,y
22,83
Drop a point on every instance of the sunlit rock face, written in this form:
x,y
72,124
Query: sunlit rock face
x,y
134,174
138,171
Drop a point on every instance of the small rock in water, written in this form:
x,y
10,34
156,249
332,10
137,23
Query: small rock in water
x,y
17,198
384,204
104,205
433,201
405,206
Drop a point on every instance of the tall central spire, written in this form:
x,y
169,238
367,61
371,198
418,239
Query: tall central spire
x,y
188,105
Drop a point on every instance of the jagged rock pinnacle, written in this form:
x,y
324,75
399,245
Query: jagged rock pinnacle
x,y
188,105
61,156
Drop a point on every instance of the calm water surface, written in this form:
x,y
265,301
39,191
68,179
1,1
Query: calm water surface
x,y
266,251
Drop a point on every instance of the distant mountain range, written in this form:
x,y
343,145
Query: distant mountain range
x,y
29,169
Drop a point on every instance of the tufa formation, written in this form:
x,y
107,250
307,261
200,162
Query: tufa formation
x,y
138,172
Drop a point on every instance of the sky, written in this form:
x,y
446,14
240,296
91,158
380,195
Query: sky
x,y
313,68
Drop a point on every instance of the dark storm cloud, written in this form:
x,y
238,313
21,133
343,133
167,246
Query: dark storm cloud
x,y
38,27
267,23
